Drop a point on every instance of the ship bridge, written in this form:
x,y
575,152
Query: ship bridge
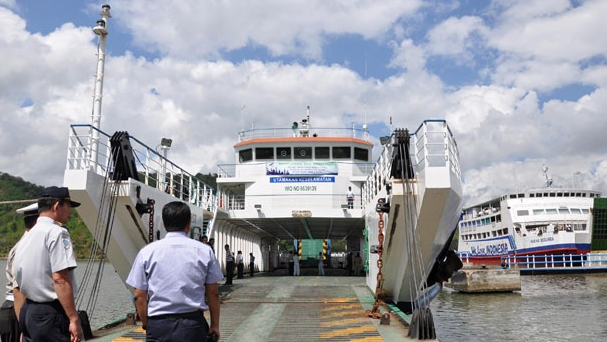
x,y
286,184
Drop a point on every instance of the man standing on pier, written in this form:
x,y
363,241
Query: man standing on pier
x,y
44,273
9,326
176,273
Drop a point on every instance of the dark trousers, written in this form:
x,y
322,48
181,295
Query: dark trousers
x,y
230,272
252,268
240,271
190,327
44,322
9,326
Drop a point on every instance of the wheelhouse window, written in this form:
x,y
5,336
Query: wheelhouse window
x,y
245,155
361,154
302,153
342,152
322,153
522,212
264,153
283,153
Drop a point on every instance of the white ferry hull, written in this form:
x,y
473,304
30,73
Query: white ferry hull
x,y
435,194
129,230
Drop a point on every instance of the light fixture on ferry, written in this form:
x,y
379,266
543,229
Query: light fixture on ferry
x,y
258,207
166,143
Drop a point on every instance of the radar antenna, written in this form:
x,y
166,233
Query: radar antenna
x,y
548,179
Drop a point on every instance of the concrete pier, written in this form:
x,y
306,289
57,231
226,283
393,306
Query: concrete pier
x,y
485,280
280,308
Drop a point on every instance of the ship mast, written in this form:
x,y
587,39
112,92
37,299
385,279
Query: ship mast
x,y
101,31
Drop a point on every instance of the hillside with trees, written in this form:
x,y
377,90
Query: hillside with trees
x,y
11,223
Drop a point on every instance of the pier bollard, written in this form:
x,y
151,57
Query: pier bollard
x,y
385,319
130,319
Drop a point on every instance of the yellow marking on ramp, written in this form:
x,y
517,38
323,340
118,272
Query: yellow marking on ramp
x,y
342,307
342,314
341,322
347,331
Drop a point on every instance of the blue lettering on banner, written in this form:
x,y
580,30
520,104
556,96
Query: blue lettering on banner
x,y
302,179
499,249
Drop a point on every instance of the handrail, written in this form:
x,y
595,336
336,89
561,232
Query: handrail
x,y
558,260
571,260
260,133
149,163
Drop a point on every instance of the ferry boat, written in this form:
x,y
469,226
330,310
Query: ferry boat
x,y
413,199
544,221
289,183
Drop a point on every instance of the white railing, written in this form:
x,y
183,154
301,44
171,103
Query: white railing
x,y
320,202
558,260
297,132
149,163
432,145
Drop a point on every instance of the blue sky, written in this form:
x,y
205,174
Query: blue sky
x,y
521,83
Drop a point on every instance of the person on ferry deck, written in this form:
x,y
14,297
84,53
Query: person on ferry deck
x,y
321,265
177,274
350,198
9,325
251,264
240,264
44,273
229,265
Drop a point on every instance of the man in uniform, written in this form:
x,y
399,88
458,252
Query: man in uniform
x,y
229,265
44,273
9,326
176,273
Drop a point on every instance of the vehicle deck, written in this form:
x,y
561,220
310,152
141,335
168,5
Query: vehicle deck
x,y
277,307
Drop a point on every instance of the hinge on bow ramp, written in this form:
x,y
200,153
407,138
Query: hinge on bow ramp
x,y
401,159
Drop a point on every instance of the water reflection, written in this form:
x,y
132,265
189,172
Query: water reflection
x,y
548,308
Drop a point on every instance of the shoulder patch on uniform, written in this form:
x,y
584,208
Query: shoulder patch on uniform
x,y
65,239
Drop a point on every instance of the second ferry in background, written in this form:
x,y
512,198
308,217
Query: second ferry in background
x,y
545,221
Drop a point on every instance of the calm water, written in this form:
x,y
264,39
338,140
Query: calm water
x,y
548,309
113,302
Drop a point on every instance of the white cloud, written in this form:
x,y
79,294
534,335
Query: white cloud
x,y
504,132
192,30
455,36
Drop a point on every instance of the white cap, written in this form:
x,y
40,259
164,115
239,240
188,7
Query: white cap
x,y
30,210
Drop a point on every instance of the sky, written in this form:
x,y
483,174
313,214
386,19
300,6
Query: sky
x,y
521,83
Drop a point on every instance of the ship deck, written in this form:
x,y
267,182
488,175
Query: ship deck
x,y
277,307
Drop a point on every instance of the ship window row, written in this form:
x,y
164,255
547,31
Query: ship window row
x,y
481,222
554,194
553,211
303,152
484,235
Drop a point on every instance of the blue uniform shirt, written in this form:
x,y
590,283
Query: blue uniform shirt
x,y
174,271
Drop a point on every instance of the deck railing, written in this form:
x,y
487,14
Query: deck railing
x,y
557,260
150,164
432,145
302,132
286,201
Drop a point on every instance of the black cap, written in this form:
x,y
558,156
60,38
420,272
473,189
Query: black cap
x,y
60,193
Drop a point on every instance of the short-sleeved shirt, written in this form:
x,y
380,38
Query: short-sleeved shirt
x,y
10,279
174,271
239,259
47,248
